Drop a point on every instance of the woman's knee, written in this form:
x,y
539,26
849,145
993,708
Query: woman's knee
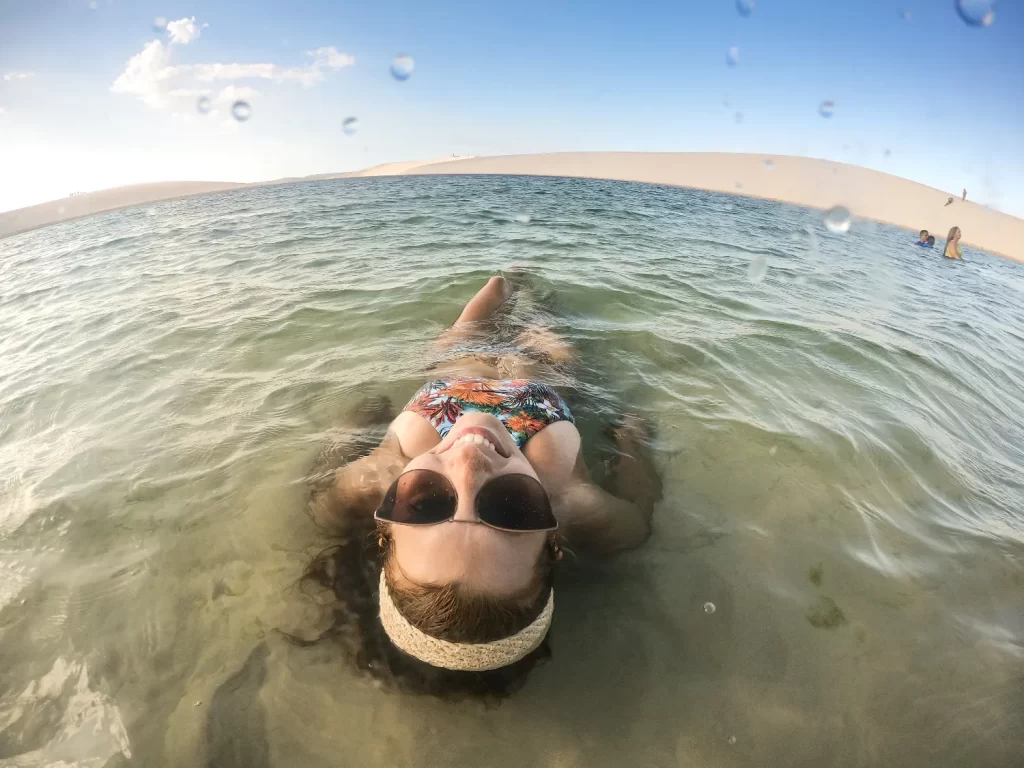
x,y
498,288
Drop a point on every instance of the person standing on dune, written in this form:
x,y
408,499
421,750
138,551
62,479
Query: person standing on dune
x,y
964,198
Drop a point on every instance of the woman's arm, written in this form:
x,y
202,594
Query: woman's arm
x,y
359,486
601,521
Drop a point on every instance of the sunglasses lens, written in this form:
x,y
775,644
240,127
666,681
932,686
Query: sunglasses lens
x,y
515,503
419,497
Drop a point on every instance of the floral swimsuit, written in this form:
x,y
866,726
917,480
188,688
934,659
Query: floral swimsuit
x,y
524,407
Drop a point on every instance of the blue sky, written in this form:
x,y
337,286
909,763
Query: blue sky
x,y
81,112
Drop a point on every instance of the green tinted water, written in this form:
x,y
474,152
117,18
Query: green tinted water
x,y
841,446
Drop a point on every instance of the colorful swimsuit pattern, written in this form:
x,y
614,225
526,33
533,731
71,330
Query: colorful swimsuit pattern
x,y
524,407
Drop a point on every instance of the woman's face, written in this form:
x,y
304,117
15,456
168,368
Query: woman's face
x,y
477,449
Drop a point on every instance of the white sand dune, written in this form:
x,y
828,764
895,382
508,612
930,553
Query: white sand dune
x,y
803,181
89,203
405,168
800,180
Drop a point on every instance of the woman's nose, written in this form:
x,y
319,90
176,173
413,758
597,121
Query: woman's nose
x,y
469,468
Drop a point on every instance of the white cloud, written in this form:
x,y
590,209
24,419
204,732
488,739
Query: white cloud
x,y
331,58
150,75
184,31
9,76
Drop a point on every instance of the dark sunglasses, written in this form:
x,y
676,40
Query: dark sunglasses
x,y
516,503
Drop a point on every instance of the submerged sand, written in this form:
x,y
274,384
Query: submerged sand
x,y
821,184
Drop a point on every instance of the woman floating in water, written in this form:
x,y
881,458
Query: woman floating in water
x,y
473,492
953,244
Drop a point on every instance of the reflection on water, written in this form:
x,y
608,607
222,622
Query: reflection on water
x,y
841,444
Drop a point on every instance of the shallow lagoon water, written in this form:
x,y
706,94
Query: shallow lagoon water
x,y
842,445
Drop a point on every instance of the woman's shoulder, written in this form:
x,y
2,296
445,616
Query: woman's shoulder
x,y
412,433
552,453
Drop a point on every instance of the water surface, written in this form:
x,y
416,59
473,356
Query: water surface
x,y
842,445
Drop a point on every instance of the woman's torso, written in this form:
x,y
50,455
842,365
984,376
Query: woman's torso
x,y
522,406
536,417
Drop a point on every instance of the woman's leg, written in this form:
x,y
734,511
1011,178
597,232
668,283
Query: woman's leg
x,y
486,301
470,326
547,342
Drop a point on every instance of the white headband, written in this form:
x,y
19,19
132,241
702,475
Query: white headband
x,y
464,657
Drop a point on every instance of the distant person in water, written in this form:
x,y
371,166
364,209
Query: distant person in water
x,y
922,239
931,242
471,496
953,244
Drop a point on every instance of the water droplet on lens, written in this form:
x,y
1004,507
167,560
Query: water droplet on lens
x,y
769,165
906,15
402,67
838,219
739,117
745,7
758,269
732,740
812,244
888,153
709,607
522,218
159,25
732,56
241,111
350,125
977,13
826,109
60,210
92,5
773,450
203,105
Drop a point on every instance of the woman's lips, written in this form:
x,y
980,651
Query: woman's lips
x,y
486,434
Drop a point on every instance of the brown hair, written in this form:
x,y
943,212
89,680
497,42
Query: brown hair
x,y
952,233
460,615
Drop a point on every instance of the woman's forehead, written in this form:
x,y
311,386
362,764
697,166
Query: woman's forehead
x,y
470,553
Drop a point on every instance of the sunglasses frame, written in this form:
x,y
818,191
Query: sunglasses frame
x,y
455,493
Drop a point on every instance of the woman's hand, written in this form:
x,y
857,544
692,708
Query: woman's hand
x,y
633,475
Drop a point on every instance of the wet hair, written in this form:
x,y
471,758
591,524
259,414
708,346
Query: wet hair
x,y
924,233
931,239
351,570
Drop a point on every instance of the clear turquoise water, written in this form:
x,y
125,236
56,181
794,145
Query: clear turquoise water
x,y
842,446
